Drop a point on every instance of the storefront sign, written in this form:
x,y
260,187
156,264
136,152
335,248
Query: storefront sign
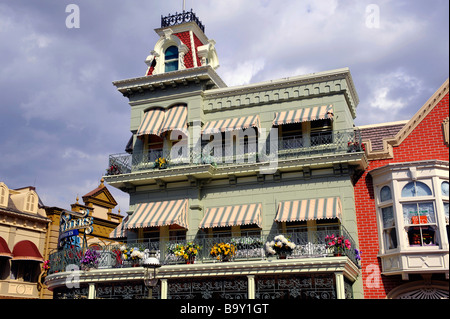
x,y
84,221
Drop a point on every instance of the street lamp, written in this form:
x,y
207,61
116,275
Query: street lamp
x,y
151,262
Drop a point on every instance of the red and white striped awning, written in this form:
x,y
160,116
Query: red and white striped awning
x,y
239,123
309,209
175,119
304,115
172,212
232,216
152,123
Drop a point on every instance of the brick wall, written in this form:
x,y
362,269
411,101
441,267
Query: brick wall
x,y
425,142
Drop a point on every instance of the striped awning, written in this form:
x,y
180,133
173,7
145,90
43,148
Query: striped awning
x,y
175,119
309,209
172,212
152,123
232,216
239,123
304,115
120,231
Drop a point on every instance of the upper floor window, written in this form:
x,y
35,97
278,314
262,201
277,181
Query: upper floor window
x,y
3,195
414,189
385,194
444,188
31,203
171,59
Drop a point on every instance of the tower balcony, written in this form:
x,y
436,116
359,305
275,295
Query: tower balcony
x,y
180,18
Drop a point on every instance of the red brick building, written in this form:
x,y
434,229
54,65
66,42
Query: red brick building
x,y
402,205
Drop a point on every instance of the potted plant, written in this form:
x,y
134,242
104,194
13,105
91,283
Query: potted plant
x,y
223,251
132,255
188,251
281,246
161,163
338,244
89,259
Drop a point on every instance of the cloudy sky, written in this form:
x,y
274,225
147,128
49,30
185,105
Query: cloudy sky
x,y
60,115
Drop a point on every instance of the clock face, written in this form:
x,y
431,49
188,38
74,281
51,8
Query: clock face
x,y
444,188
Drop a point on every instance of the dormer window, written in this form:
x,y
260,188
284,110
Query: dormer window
x,y
171,59
31,203
3,195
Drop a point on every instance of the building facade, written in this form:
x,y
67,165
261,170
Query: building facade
x,y
402,204
242,192
23,239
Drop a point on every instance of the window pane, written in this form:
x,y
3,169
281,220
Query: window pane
x,y
414,189
446,212
388,217
444,187
171,66
171,53
414,214
385,193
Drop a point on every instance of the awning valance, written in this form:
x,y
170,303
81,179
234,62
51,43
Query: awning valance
x,y
232,216
175,119
304,115
26,250
172,212
309,209
239,123
120,231
152,123
4,249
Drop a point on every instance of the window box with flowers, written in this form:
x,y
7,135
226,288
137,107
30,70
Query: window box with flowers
x,y
161,163
187,252
338,245
280,246
223,251
132,255
90,259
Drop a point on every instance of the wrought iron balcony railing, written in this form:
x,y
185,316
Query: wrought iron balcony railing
x,y
332,142
179,18
249,246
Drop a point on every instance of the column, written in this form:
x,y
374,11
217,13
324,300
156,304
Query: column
x,y
92,292
340,288
251,286
164,288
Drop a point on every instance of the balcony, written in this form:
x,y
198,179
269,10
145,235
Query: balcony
x,y
250,246
288,148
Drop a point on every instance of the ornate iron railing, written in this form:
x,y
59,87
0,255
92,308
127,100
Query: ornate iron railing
x,y
179,18
249,246
332,142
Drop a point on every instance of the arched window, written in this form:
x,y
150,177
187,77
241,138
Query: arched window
x,y
171,59
414,189
385,194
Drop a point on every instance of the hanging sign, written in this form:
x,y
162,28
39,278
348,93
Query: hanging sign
x,y
84,221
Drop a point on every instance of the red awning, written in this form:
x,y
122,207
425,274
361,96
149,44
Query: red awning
x,y
4,250
26,250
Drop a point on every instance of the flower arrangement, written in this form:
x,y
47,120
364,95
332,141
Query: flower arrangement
x,y
188,251
46,265
113,170
355,147
223,251
131,254
90,259
280,246
338,243
160,163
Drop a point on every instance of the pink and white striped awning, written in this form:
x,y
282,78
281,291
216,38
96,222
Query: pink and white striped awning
x,y
239,123
172,212
232,216
120,231
175,119
304,115
152,123
309,209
